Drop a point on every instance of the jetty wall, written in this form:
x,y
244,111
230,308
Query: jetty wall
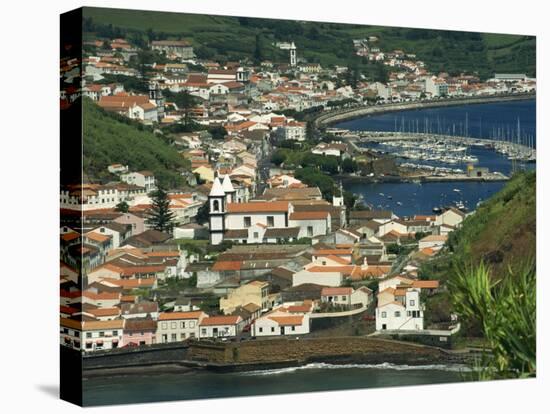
x,y
300,351
327,118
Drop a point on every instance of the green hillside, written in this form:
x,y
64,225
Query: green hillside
x,y
503,229
501,234
109,139
232,38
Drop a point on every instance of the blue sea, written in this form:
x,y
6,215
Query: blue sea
x,y
309,378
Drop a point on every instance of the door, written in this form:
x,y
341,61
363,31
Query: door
x,y
282,330
384,326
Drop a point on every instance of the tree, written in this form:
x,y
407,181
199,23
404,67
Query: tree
x,y
203,214
310,130
159,217
278,158
185,101
349,165
217,132
122,207
258,52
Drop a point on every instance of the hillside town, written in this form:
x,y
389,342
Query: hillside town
x,y
251,250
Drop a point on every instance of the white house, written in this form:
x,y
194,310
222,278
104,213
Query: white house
x,y
432,241
141,178
292,130
311,223
91,336
318,276
405,315
221,326
452,217
337,295
281,323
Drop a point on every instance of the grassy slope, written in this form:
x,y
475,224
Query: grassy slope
x,y
503,230
226,37
110,139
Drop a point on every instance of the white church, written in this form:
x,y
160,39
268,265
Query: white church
x,y
261,221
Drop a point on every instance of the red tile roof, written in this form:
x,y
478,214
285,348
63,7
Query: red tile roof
x,y
309,215
258,207
220,320
170,316
336,291
227,265
287,320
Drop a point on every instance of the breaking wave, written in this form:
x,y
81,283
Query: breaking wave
x,y
383,366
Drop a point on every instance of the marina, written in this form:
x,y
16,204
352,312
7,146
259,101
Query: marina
x,y
445,169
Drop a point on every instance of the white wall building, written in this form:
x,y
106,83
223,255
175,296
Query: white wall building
x,y
278,323
396,316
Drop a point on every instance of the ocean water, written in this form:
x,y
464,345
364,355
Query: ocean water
x,y
483,121
478,120
422,198
309,378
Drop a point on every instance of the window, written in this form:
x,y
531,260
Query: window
x,y
260,329
102,229
247,222
101,334
272,329
383,314
65,331
397,314
115,333
164,325
408,313
192,324
183,324
203,331
77,334
89,345
182,336
174,337
173,325
255,235
270,221
192,335
216,205
88,334
310,231
293,328
411,302
344,297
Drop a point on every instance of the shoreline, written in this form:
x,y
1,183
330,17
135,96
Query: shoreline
x,y
326,119
423,180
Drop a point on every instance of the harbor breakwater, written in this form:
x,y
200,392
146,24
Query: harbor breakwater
x,y
327,118
265,354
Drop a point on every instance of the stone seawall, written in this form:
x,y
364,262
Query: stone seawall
x,y
344,115
292,351
264,354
